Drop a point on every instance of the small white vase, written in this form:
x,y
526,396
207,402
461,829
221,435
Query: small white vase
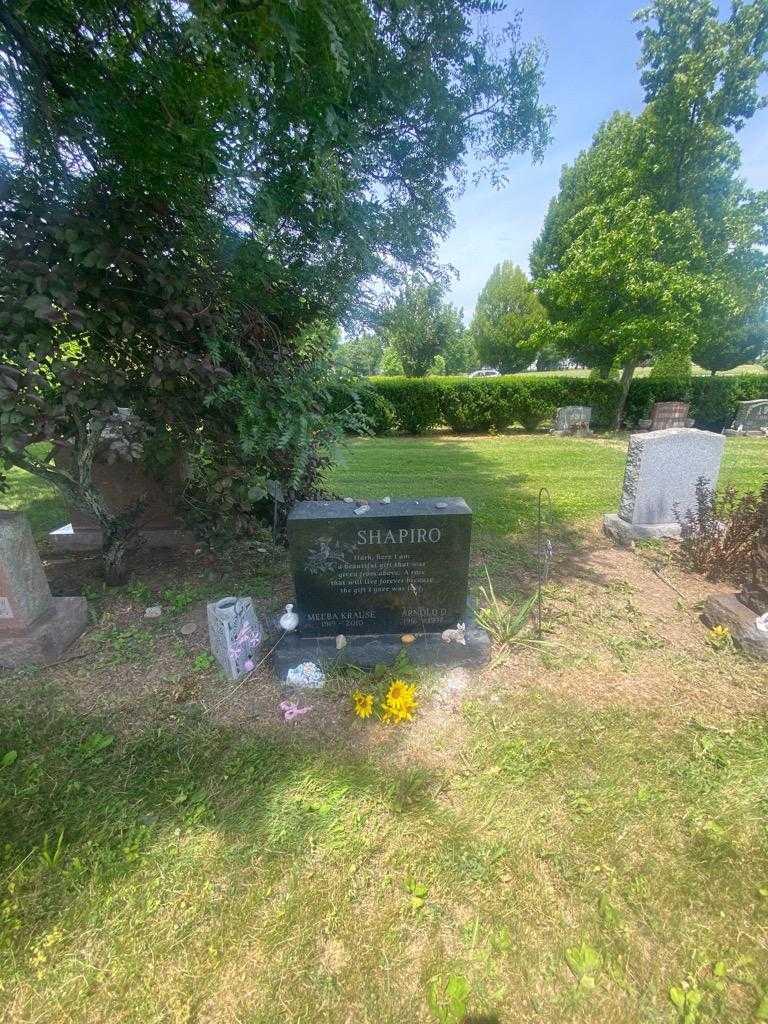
x,y
289,620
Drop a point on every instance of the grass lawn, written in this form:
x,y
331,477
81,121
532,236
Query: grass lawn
x,y
575,834
500,476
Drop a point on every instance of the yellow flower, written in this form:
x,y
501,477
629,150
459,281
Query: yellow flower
x,y
719,636
399,703
363,703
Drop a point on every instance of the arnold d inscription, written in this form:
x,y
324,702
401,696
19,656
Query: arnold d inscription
x,y
397,567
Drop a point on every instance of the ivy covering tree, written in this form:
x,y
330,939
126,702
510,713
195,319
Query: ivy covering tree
x,y
190,189
653,244
419,325
507,317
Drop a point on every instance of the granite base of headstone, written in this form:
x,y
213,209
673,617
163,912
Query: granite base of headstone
x,y
751,419
667,416
662,471
572,421
35,628
235,634
390,577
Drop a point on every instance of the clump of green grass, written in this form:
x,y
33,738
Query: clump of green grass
x,y
504,623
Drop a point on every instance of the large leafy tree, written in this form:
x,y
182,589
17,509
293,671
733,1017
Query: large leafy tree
x,y
361,355
507,316
419,325
743,341
653,243
208,181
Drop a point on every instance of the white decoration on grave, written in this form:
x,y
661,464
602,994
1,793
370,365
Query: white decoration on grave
x,y
235,634
457,635
289,620
341,642
362,509
307,675
386,501
761,622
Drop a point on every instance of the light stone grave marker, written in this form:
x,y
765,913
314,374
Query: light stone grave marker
x,y
35,627
662,470
572,419
751,419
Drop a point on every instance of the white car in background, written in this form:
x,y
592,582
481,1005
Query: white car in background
x,y
486,371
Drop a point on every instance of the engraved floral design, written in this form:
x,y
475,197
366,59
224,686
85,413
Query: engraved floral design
x,y
326,556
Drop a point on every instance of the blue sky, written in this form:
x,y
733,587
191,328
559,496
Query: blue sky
x,y
591,72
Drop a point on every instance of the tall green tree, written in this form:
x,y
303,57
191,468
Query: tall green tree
x,y
654,244
742,341
506,320
419,324
361,355
254,165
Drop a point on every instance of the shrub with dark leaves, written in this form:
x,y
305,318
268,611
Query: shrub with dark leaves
x,y
720,534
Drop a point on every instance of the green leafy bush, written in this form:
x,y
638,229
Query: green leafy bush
x,y
482,405
416,401
479,406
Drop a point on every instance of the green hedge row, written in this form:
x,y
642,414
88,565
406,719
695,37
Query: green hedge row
x,y
413,405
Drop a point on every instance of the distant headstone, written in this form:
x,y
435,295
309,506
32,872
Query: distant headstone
x,y
667,415
660,478
122,479
235,634
573,419
376,571
35,627
751,419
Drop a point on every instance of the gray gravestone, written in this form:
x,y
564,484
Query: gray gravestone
x,y
663,467
751,419
572,419
234,633
35,628
376,572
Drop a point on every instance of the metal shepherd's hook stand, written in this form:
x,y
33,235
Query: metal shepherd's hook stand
x,y
544,553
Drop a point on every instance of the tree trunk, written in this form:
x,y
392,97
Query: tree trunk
x,y
114,553
626,379
119,530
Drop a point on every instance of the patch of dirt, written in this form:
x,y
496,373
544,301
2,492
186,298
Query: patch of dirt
x,y
621,628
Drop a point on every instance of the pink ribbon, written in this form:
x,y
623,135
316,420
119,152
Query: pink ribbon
x,y
291,710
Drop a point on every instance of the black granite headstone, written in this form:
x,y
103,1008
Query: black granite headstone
x,y
397,567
